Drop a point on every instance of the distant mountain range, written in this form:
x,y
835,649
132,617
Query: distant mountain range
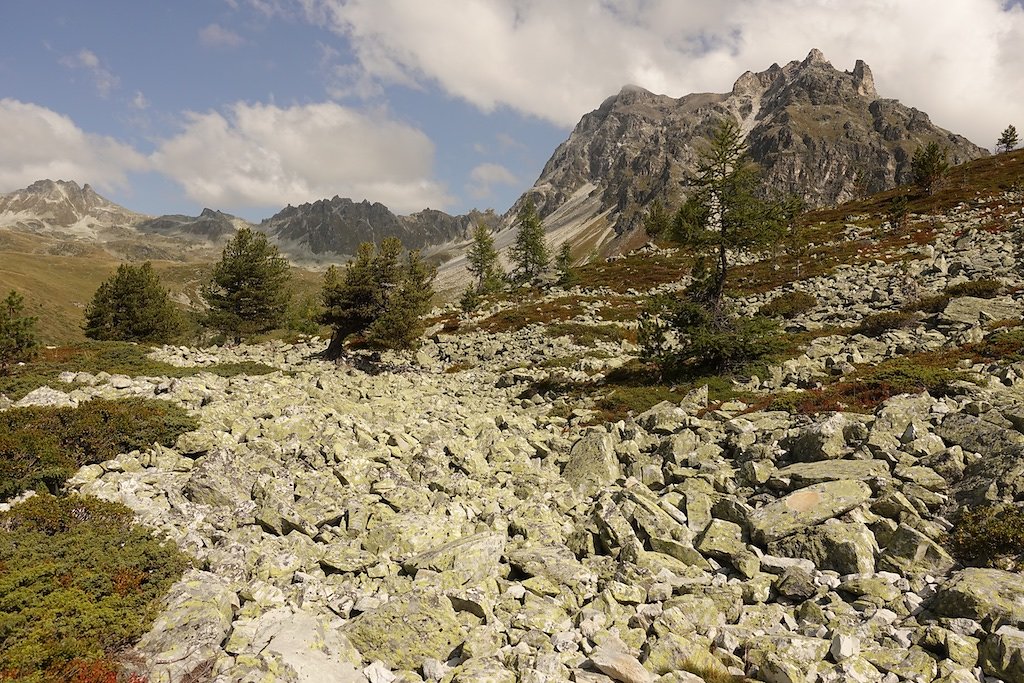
x,y
817,132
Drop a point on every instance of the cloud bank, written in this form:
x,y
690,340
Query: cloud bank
x,y
36,142
960,60
266,156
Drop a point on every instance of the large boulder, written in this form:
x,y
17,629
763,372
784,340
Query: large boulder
x,y
407,630
848,548
985,595
1002,654
469,559
805,508
592,463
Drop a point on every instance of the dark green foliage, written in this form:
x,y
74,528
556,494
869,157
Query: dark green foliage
x,y
40,447
727,211
875,325
658,221
303,313
78,584
470,299
132,305
118,358
529,254
563,265
1008,140
981,289
989,536
248,291
17,332
688,336
378,295
936,303
789,305
1001,345
482,261
897,212
929,166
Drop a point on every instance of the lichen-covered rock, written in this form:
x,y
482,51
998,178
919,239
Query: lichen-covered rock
x,y
407,630
806,507
470,559
985,595
592,463
909,551
1002,654
845,547
189,631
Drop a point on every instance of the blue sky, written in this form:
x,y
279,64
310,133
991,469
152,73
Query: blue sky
x,y
247,105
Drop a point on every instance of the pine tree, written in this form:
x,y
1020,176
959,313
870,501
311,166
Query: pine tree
x,y
929,166
530,251
727,213
248,291
1008,140
563,264
658,221
17,332
482,260
379,296
132,305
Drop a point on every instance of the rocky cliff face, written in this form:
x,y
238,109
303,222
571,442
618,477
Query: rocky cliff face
x,y
819,133
337,226
210,225
62,206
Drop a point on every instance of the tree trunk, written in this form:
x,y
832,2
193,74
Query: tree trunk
x,y
336,349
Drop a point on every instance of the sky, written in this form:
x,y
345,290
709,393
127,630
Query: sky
x,y
248,105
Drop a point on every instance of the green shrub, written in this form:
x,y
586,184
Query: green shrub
x,y
1001,345
935,303
587,335
17,332
789,305
78,584
116,358
132,305
982,289
40,447
989,536
875,325
705,340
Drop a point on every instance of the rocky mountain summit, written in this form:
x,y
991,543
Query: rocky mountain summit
x,y
822,134
336,226
451,516
62,206
209,225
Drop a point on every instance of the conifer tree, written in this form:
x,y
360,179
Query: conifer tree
x,y
563,264
482,260
379,296
1008,140
658,221
929,166
17,332
132,305
530,251
248,291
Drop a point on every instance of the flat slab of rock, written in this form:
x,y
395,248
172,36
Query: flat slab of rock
x,y
473,558
620,665
592,464
806,507
984,595
810,473
407,630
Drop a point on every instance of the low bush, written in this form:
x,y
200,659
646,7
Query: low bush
x,y
588,335
875,325
78,585
40,447
935,303
989,536
1001,345
789,305
981,289
116,358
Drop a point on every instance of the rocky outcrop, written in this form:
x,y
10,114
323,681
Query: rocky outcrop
x,y
210,225
819,133
62,206
334,227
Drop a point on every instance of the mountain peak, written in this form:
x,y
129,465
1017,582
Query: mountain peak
x,y
815,56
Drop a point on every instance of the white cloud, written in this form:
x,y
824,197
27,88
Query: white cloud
x,y
139,101
37,143
260,155
104,80
960,60
216,36
484,177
